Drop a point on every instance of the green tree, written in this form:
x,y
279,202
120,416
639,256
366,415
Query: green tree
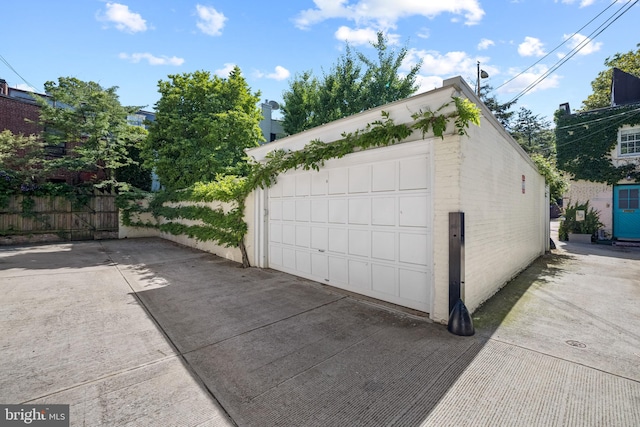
x,y
382,82
354,84
501,111
203,125
300,103
135,173
91,120
22,159
533,133
601,97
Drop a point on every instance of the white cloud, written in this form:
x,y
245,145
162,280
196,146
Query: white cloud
x,y
151,59
226,70
356,37
524,80
424,33
588,46
379,12
123,18
280,73
211,21
485,44
583,3
437,66
531,47
427,83
448,65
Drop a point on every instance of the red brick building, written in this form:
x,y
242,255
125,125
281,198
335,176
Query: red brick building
x,y
20,114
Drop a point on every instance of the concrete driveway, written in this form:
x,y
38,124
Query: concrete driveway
x,y
146,332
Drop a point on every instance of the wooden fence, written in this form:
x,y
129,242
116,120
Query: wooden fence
x,y
58,219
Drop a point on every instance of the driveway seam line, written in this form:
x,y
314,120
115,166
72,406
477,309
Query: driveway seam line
x,y
564,360
263,326
170,341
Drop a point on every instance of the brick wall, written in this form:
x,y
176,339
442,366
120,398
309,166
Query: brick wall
x,y
13,113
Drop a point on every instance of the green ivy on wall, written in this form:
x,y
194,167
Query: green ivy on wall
x,y
585,141
228,228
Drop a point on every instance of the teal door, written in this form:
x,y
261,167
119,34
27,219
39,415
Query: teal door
x,y
626,211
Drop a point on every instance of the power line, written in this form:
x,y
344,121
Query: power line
x,y
577,49
5,62
555,48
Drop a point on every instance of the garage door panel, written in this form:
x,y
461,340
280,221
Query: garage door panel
x,y
303,236
289,210
275,209
338,271
320,266
359,242
413,248
319,183
383,279
275,256
412,285
359,211
338,179
288,183
289,258
359,275
338,211
359,179
320,238
413,211
383,211
275,232
303,210
288,234
383,245
384,177
414,174
303,262
303,185
338,240
320,210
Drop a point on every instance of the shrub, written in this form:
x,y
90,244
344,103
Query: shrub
x,y
590,225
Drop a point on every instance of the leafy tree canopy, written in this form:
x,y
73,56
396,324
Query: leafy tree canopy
x,y
92,120
601,97
533,133
501,111
354,84
203,125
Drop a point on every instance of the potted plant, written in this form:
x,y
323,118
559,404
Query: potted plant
x,y
576,228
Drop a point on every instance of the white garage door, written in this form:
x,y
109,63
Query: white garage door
x,y
362,223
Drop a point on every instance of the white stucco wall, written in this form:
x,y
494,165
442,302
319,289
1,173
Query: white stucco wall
x,y
232,254
505,230
599,196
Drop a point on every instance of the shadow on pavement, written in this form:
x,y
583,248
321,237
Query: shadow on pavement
x,y
275,349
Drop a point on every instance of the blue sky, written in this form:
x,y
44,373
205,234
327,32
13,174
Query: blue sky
x,y
133,44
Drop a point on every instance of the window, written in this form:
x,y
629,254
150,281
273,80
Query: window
x,y
628,199
630,142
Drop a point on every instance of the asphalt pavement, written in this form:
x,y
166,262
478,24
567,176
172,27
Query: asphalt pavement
x,y
144,332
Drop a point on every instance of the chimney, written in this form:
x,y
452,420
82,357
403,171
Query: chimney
x,y
565,108
4,87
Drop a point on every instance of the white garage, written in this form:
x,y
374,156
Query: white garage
x,y
376,222
362,223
